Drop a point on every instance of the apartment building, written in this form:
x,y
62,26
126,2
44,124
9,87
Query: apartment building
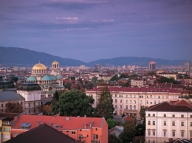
x,y
90,130
169,121
130,100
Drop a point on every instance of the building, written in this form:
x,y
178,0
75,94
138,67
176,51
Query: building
x,y
169,121
152,66
130,100
49,81
138,82
168,75
90,130
98,68
32,94
6,85
10,97
187,66
42,134
5,126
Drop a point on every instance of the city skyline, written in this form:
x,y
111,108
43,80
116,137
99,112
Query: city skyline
x,y
91,30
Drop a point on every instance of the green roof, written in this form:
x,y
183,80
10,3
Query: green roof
x,y
32,78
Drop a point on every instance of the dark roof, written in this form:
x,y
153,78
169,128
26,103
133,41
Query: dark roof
x,y
10,96
172,106
26,86
6,84
180,141
8,115
42,134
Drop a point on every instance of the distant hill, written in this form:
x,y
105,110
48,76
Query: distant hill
x,y
12,56
139,61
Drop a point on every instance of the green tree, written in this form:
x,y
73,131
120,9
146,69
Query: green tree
x,y
111,123
74,103
105,106
55,98
94,80
128,133
142,111
114,78
113,139
12,107
140,130
68,85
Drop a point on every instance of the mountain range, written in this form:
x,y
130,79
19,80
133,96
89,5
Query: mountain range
x,y
13,56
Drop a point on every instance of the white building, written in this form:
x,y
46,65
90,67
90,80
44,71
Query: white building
x,y
32,94
169,121
130,100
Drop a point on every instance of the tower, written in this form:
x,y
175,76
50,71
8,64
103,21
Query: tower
x,y
152,66
187,66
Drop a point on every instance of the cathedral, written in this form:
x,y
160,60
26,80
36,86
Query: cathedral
x,y
49,81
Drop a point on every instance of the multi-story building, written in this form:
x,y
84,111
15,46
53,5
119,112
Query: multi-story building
x,y
10,97
98,68
138,82
90,130
130,100
32,94
169,121
187,66
152,66
168,75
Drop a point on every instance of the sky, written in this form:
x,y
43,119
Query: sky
x,y
89,30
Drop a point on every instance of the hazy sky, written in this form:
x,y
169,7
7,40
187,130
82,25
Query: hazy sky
x,y
93,29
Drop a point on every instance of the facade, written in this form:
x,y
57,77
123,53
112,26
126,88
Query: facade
x,y
32,94
187,66
5,129
168,75
137,82
98,68
130,100
169,121
90,130
152,66
10,97
49,81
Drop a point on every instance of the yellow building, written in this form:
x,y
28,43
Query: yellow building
x,y
5,128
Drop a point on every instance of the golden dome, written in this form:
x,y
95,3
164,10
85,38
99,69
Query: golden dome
x,y
55,62
39,66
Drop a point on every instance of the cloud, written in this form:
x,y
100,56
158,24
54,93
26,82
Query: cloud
x,y
68,18
108,20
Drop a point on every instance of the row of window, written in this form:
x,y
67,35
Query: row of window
x,y
127,107
150,96
165,133
134,101
173,115
165,123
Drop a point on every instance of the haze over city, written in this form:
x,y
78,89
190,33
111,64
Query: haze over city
x,y
90,30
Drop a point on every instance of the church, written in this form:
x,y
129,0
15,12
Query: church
x,y
49,81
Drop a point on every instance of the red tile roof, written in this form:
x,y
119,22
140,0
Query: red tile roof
x,y
136,89
172,106
65,123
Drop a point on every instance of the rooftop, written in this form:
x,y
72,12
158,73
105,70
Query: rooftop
x,y
10,96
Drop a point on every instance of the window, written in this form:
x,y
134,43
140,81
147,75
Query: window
x,y
150,96
95,136
191,134
126,96
134,96
115,95
130,101
126,101
154,101
158,96
190,116
153,122
134,101
153,133
182,123
115,100
173,133
164,115
73,132
164,123
182,133
149,122
190,124
134,107
121,101
149,132
149,115
115,106
173,123
164,133
126,106
140,101
1,105
130,96
153,115
162,96
6,129
130,107
120,106
182,116
29,104
173,115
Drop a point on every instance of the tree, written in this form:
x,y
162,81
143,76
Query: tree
x,y
74,103
142,111
68,86
114,78
140,130
13,107
47,109
128,133
113,139
111,123
55,98
105,106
